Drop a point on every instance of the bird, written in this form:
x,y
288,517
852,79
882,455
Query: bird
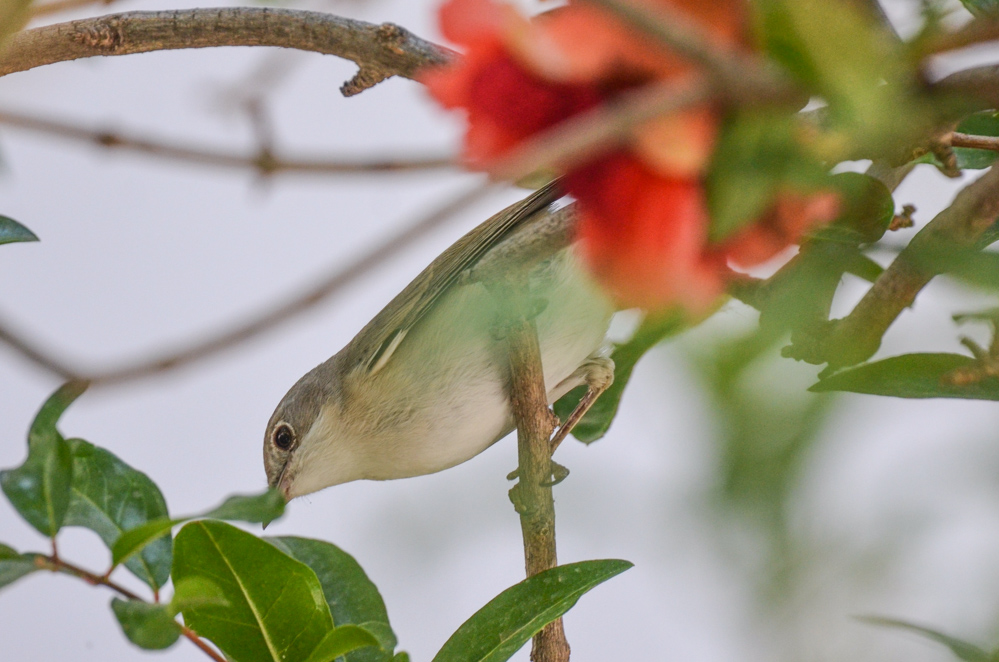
x,y
424,386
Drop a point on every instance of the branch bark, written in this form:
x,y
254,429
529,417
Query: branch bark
x,y
265,162
857,336
531,497
380,51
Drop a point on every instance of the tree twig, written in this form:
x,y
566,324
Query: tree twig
x,y
380,51
532,495
990,143
55,564
265,161
857,336
336,281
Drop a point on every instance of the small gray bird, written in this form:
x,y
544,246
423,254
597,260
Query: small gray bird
x,y
424,385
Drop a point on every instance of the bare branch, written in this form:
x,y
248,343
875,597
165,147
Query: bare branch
x,y
264,161
532,495
857,337
270,318
380,51
975,142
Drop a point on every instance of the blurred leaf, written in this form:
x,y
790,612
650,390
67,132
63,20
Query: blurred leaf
x,y
11,231
962,649
341,641
508,621
133,541
974,267
982,7
194,592
252,508
910,376
110,497
39,488
148,626
14,16
401,656
276,607
44,424
352,597
842,54
13,566
594,425
261,508
757,155
867,205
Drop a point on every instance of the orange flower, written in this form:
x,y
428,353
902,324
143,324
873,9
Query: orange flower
x,y
643,218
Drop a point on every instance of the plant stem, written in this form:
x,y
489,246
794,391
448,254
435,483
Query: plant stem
x,y
531,496
55,564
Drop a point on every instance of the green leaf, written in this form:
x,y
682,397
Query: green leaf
x,y
596,422
498,630
149,626
44,425
911,376
842,54
276,609
962,649
758,154
109,497
12,232
253,508
867,205
135,540
982,7
194,592
40,488
13,566
340,641
976,268
352,597
261,508
401,656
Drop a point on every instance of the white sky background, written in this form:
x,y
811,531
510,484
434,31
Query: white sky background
x,y
138,254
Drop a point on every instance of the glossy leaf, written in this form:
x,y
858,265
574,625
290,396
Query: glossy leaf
x,y
193,592
110,497
596,422
253,508
911,376
276,610
39,489
867,206
962,649
149,626
13,566
508,621
352,597
11,231
341,641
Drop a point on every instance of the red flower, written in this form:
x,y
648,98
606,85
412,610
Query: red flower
x,y
643,221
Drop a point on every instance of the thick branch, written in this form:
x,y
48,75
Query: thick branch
x,y
264,161
532,495
857,337
380,51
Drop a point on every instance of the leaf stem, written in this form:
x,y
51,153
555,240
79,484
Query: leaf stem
x,y
55,564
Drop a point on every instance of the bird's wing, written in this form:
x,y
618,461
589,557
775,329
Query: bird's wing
x,y
372,347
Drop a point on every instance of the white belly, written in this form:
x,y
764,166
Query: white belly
x,y
449,377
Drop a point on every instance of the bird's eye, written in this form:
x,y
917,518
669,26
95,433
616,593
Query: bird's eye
x,y
284,437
